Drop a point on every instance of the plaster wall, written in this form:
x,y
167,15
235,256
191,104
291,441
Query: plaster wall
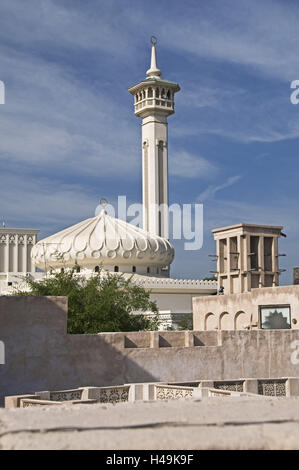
x,y
40,355
239,311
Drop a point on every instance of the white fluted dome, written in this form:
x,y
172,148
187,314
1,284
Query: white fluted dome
x,y
102,240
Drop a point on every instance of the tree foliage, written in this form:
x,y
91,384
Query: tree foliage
x,y
104,302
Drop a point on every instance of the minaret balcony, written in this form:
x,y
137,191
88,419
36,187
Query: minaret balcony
x,y
154,103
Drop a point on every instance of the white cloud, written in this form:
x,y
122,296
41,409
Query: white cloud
x,y
60,119
240,115
211,95
41,22
187,165
50,119
261,35
211,190
43,203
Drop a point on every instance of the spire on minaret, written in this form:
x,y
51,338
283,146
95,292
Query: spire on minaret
x,y
153,71
154,102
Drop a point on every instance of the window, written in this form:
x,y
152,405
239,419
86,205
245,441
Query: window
x,y
268,243
96,269
254,248
275,317
77,269
134,269
116,269
148,270
234,254
150,93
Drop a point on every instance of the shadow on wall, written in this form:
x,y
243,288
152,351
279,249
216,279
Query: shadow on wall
x,y
40,355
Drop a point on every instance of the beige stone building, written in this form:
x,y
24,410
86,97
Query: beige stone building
x,y
15,254
249,296
266,308
247,257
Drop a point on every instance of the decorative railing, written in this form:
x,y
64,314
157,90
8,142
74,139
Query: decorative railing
x,y
172,392
232,386
116,394
157,391
66,395
33,402
153,102
272,388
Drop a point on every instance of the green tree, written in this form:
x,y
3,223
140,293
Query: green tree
x,y
104,302
210,278
185,323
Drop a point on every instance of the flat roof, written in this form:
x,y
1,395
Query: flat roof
x,y
243,225
12,229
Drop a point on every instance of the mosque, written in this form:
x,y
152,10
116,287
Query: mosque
x,y
113,244
247,255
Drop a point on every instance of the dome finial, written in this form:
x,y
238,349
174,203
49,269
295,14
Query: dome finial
x,y
103,202
153,71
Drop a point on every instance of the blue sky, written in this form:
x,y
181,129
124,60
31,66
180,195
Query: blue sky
x,y
68,134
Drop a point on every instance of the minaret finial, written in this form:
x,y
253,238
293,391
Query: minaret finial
x,y
153,71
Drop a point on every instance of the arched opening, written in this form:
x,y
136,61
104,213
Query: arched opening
x,y
225,321
77,269
133,269
150,93
168,95
148,270
157,93
163,95
116,269
210,322
62,270
242,320
97,269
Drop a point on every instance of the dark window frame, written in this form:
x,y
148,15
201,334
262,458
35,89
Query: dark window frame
x,y
274,306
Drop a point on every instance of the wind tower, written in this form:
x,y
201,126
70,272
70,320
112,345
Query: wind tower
x,y
154,102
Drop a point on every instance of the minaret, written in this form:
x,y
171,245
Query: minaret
x,y
153,102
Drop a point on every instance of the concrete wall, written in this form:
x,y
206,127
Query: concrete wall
x,y
238,311
39,355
